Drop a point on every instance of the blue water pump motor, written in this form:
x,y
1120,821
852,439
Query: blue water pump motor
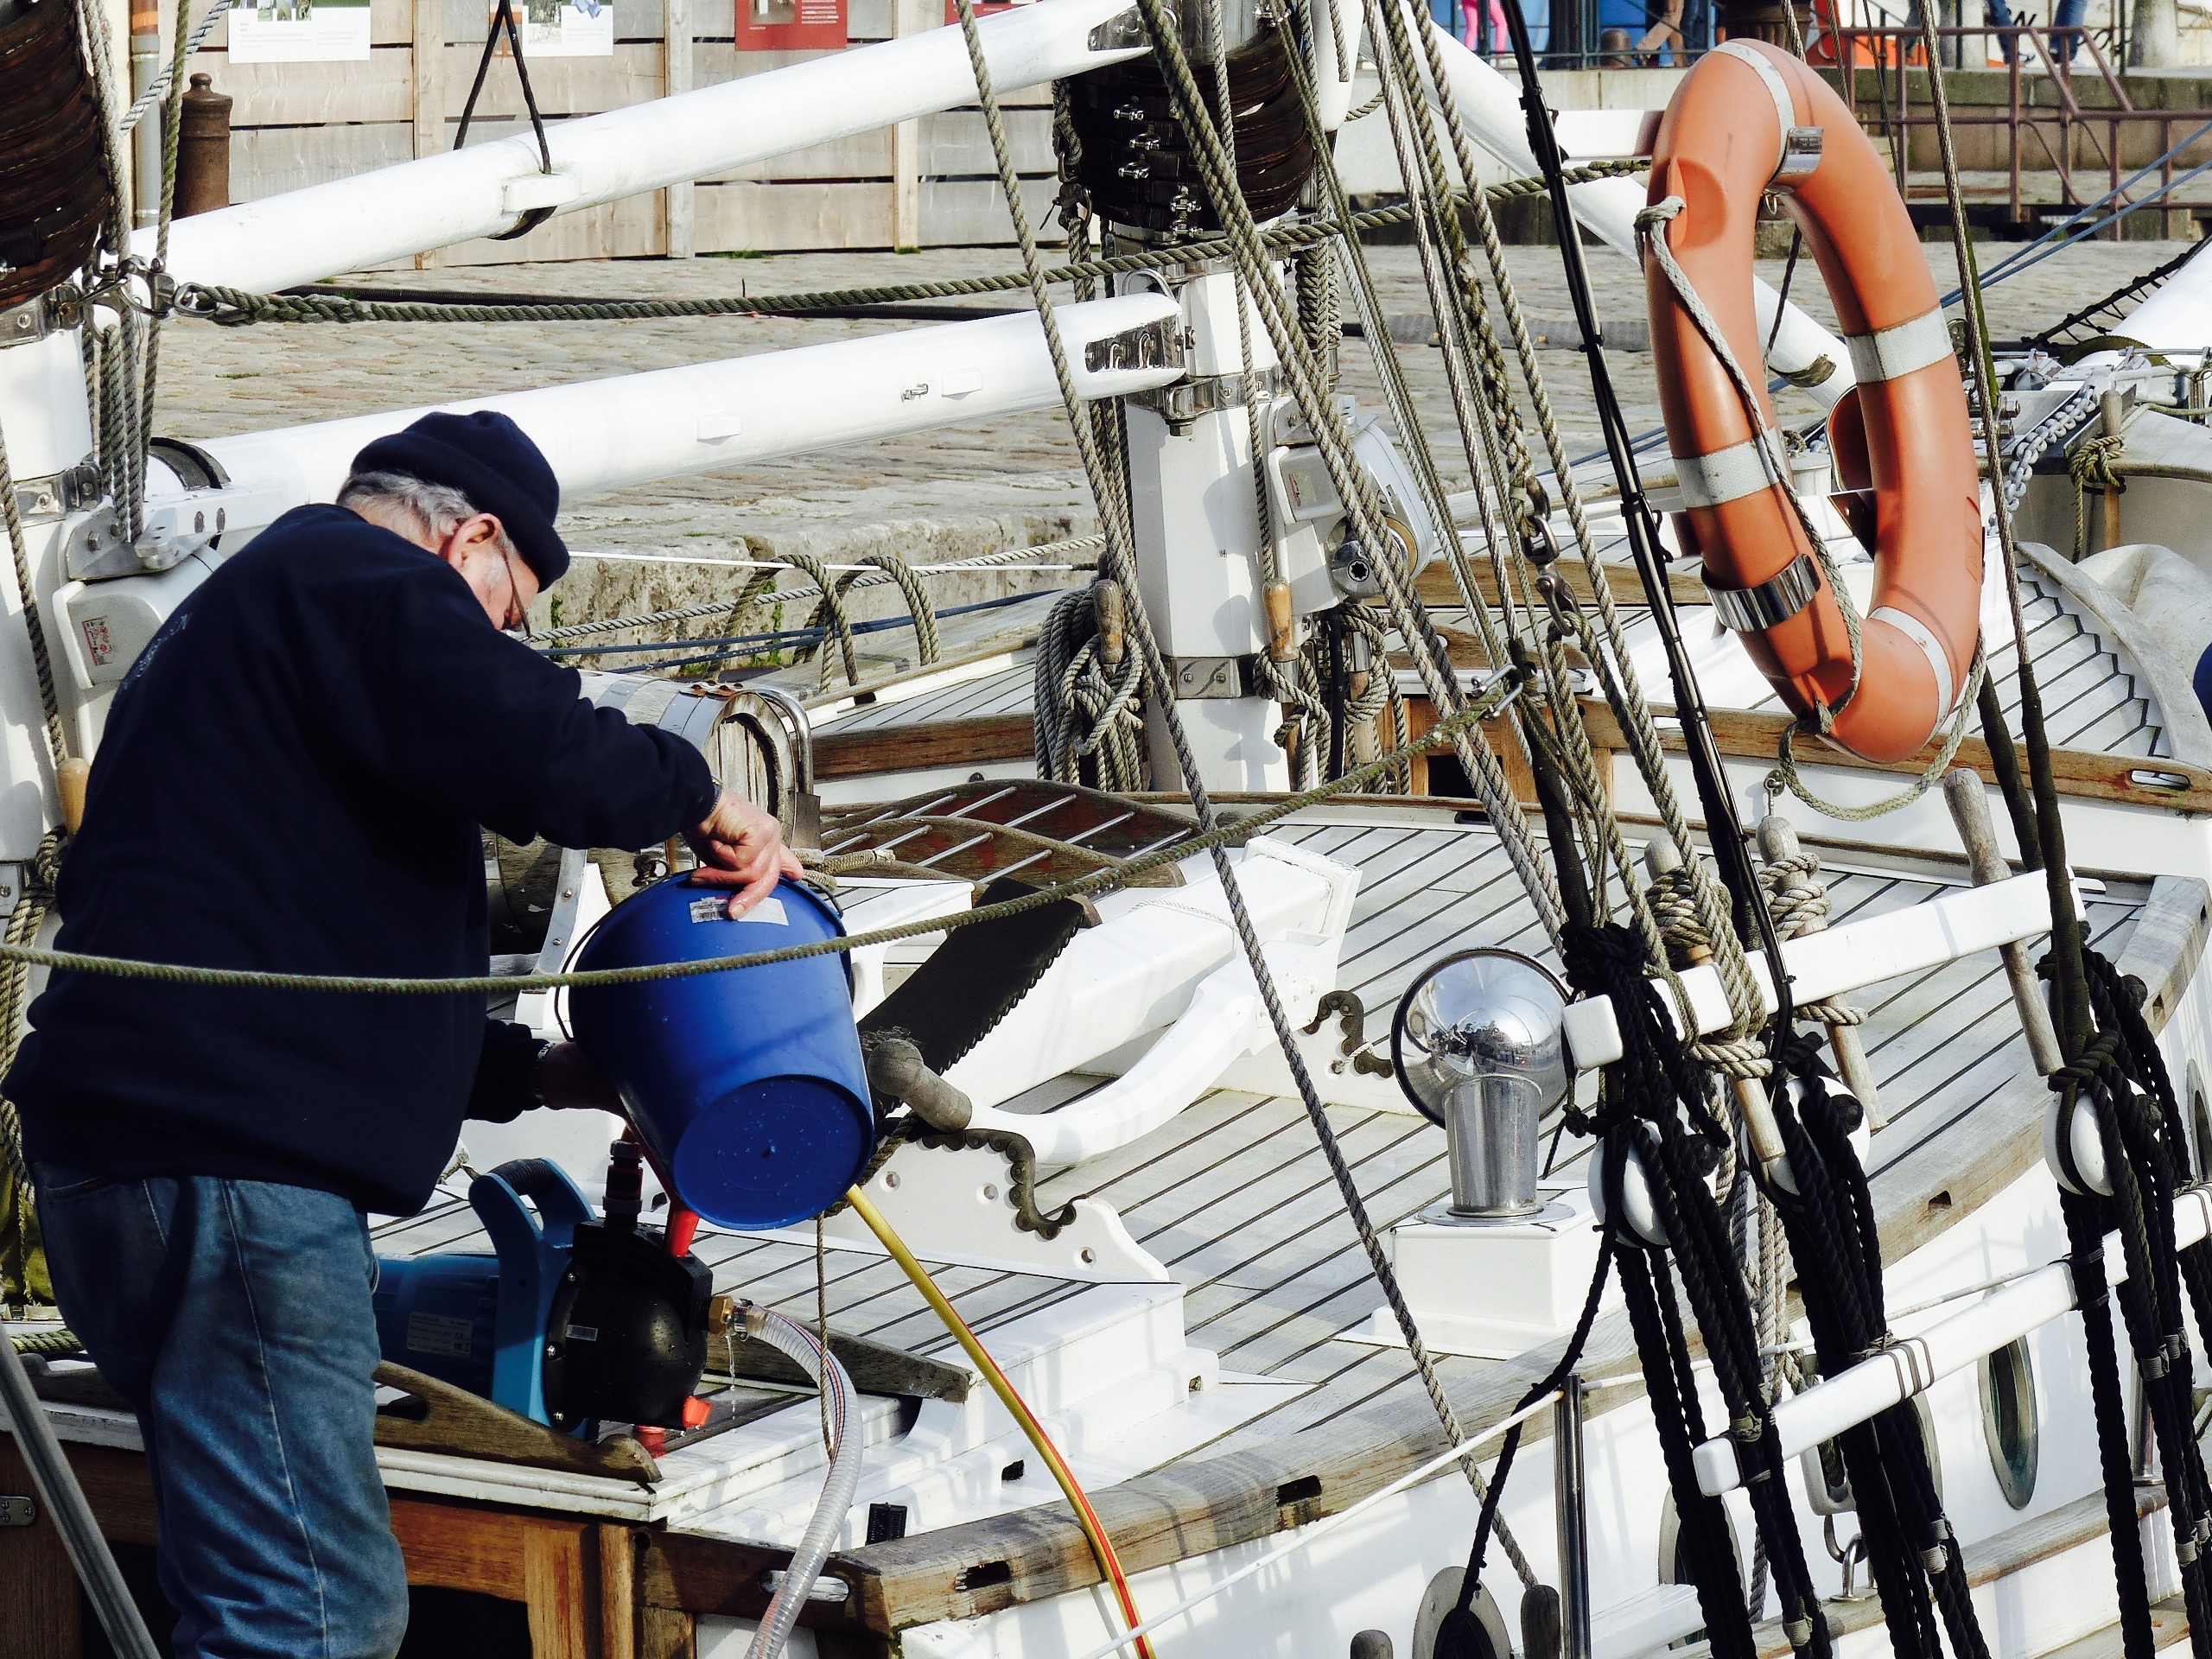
x,y
572,1319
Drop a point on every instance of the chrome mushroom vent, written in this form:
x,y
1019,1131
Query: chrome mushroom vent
x,y
1479,1049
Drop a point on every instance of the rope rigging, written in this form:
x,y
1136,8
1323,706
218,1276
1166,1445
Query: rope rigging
x,y
2111,1065
236,308
1662,1119
1110,489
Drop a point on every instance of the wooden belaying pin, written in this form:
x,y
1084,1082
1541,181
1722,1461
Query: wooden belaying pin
x,y
1282,623
1963,793
1778,842
1109,611
71,778
2111,413
1661,858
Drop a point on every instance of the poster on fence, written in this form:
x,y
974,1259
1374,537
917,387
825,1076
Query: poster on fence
x,y
299,31
565,28
790,25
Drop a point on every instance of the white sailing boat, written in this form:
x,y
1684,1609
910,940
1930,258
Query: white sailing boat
x,y
1123,1192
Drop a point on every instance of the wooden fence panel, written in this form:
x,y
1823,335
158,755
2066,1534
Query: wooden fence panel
x,y
931,182
273,160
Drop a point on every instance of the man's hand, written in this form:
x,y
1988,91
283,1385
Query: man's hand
x,y
740,846
567,1078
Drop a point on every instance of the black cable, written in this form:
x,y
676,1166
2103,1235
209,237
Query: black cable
x,y
1723,828
504,18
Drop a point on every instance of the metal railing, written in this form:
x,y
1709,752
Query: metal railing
x,y
2054,128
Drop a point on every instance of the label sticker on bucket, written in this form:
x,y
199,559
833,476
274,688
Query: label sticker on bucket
x,y
768,910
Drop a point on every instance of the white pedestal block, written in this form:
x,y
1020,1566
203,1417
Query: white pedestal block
x,y
1491,1289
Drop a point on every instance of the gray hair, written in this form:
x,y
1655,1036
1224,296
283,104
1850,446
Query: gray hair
x,y
435,508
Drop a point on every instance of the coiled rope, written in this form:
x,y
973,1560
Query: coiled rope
x,y
1088,693
2093,465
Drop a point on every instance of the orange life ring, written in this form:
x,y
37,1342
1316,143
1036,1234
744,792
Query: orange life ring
x,y
1748,119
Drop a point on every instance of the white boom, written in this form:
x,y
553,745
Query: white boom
x,y
304,235
613,434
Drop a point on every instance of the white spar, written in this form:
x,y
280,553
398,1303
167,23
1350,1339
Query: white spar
x,y
351,224
1911,1365
613,434
1842,959
1490,106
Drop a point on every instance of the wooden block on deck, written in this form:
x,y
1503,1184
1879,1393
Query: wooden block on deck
x,y
38,1586
577,1577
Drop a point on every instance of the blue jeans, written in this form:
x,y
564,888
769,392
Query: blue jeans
x,y
235,1318
1997,12
2065,30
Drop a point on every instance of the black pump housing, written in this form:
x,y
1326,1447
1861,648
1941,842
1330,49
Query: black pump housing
x,y
627,1338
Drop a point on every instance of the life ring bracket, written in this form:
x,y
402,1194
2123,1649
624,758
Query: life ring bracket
x,y
1774,602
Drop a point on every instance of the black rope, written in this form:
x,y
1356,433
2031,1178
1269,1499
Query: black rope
x,y
504,18
1723,827
1653,1107
2121,1077
1830,1224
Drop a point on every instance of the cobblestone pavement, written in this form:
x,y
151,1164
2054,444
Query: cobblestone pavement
x,y
943,493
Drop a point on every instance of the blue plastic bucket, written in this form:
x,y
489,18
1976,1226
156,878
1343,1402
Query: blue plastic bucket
x,y
748,1085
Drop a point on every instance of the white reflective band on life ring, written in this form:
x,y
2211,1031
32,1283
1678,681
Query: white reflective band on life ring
x,y
1916,630
1785,107
1724,475
1892,354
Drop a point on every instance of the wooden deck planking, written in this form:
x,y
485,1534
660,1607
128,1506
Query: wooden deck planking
x,y
1237,1198
1004,691
1382,1152
1306,1306
1180,1227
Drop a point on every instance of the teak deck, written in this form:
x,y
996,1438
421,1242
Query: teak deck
x,y
1233,1196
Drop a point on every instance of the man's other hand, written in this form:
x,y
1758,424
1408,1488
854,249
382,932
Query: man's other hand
x,y
740,846
569,1079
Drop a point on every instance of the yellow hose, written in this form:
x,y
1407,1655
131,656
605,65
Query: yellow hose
x,y
1102,1547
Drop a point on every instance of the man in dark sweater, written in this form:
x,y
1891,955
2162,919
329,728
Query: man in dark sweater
x,y
293,776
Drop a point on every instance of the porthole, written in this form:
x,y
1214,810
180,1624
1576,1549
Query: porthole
x,y
1441,1597
2009,1422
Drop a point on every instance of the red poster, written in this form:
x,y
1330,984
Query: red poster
x,y
790,25
983,7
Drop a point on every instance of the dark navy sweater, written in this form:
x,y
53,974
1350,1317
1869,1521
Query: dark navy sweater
x,y
292,778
